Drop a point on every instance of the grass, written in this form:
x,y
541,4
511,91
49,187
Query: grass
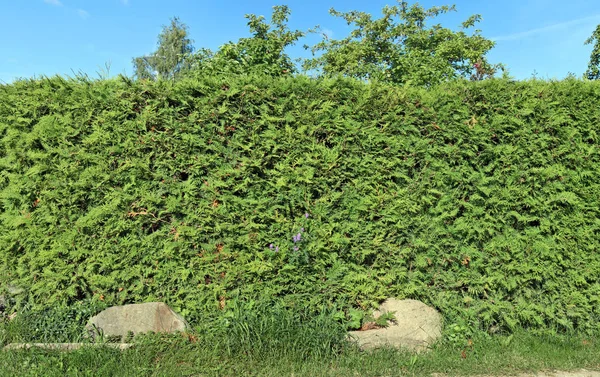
x,y
178,356
260,340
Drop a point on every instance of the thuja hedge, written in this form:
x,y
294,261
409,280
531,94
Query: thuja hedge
x,y
481,199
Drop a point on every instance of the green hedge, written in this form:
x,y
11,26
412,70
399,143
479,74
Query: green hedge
x,y
481,199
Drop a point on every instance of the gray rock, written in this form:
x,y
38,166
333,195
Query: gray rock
x,y
416,327
8,292
14,290
118,321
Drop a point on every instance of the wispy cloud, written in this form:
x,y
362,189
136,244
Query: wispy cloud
x,y
545,29
327,33
82,13
54,2
125,2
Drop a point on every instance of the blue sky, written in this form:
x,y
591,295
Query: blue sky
x,y
47,37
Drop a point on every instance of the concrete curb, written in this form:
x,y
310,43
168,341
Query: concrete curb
x,y
65,346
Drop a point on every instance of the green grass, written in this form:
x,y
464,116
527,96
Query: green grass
x,y
258,340
178,356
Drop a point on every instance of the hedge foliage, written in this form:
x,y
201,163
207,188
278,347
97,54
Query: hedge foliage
x,y
479,198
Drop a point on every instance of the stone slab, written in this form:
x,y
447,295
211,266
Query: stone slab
x,y
65,346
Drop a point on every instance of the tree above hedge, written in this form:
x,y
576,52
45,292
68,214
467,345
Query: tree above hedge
x,y
262,53
397,48
170,59
593,71
400,48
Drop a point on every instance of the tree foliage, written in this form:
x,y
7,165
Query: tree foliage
x,y
401,48
263,52
170,59
397,48
593,71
